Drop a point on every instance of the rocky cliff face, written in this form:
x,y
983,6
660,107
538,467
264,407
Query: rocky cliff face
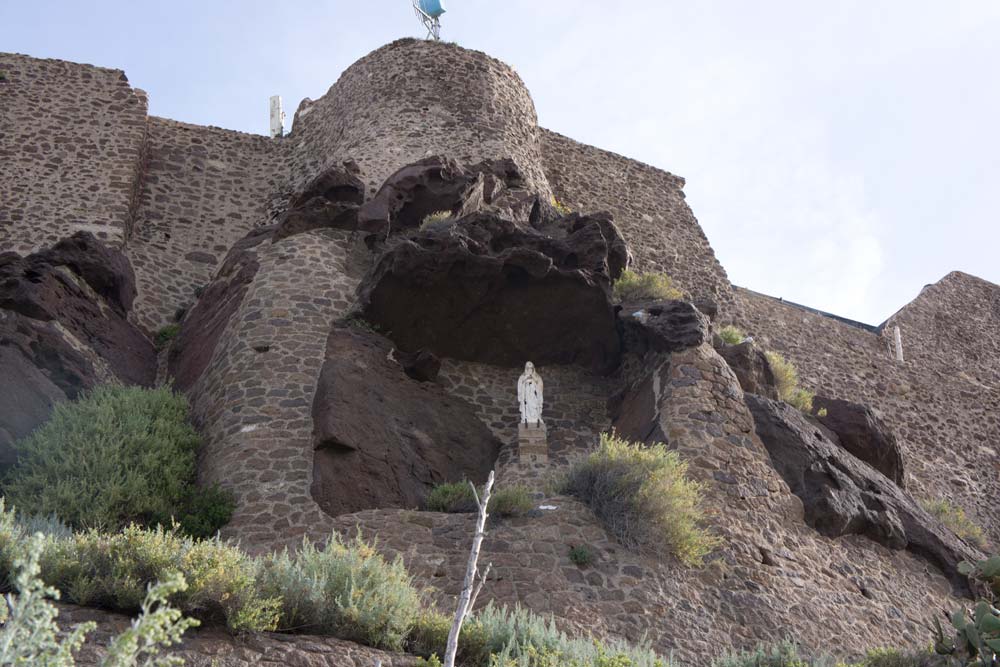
x,y
344,352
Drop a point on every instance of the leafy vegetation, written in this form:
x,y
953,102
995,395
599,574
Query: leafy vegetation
x,y
644,496
502,637
632,286
955,519
113,571
432,219
344,589
560,207
115,456
786,654
986,571
786,377
457,498
976,642
166,334
30,636
359,322
581,555
732,335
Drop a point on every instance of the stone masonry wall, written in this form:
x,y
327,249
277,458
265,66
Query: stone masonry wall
x,y
203,189
946,420
649,208
952,326
414,98
71,139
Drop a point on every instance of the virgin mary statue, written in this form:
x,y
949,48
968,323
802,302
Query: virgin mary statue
x,y
529,395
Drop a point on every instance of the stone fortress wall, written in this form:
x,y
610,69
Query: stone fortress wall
x,y
80,152
71,142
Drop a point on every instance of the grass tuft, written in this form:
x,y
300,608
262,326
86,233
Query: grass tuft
x,y
632,286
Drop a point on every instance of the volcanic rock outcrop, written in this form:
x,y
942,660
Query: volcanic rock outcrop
x,y
484,288
843,495
64,328
663,326
204,324
332,199
439,184
859,430
752,368
383,439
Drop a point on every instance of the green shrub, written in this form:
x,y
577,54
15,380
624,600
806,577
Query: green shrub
x,y
514,500
113,571
782,654
786,378
644,496
115,456
632,286
432,219
361,323
165,335
888,657
451,497
560,207
955,519
345,589
500,637
986,571
581,555
732,335
3,76
30,636
457,498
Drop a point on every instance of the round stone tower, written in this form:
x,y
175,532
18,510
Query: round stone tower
x,y
415,98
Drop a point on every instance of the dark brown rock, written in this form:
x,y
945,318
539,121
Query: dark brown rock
x,y
422,365
205,323
63,329
859,430
751,367
383,439
843,495
483,288
439,183
662,326
331,200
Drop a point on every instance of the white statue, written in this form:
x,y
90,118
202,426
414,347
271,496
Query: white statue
x,y
529,395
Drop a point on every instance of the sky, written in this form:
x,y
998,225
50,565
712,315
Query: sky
x,y
837,154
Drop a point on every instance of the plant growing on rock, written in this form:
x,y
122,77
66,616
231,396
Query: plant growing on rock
x,y
560,207
30,635
432,219
786,377
165,335
645,497
956,520
581,555
117,455
632,286
976,642
344,589
732,335
458,498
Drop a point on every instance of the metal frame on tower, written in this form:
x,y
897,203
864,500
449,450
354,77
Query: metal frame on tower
x,y
432,23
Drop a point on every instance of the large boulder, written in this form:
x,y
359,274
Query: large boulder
x,y
842,495
859,430
64,328
751,367
484,288
205,323
383,439
331,200
663,326
438,183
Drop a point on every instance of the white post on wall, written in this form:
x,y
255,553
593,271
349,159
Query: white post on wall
x,y
899,343
277,117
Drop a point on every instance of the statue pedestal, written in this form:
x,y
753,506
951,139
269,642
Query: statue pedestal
x,y
532,443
